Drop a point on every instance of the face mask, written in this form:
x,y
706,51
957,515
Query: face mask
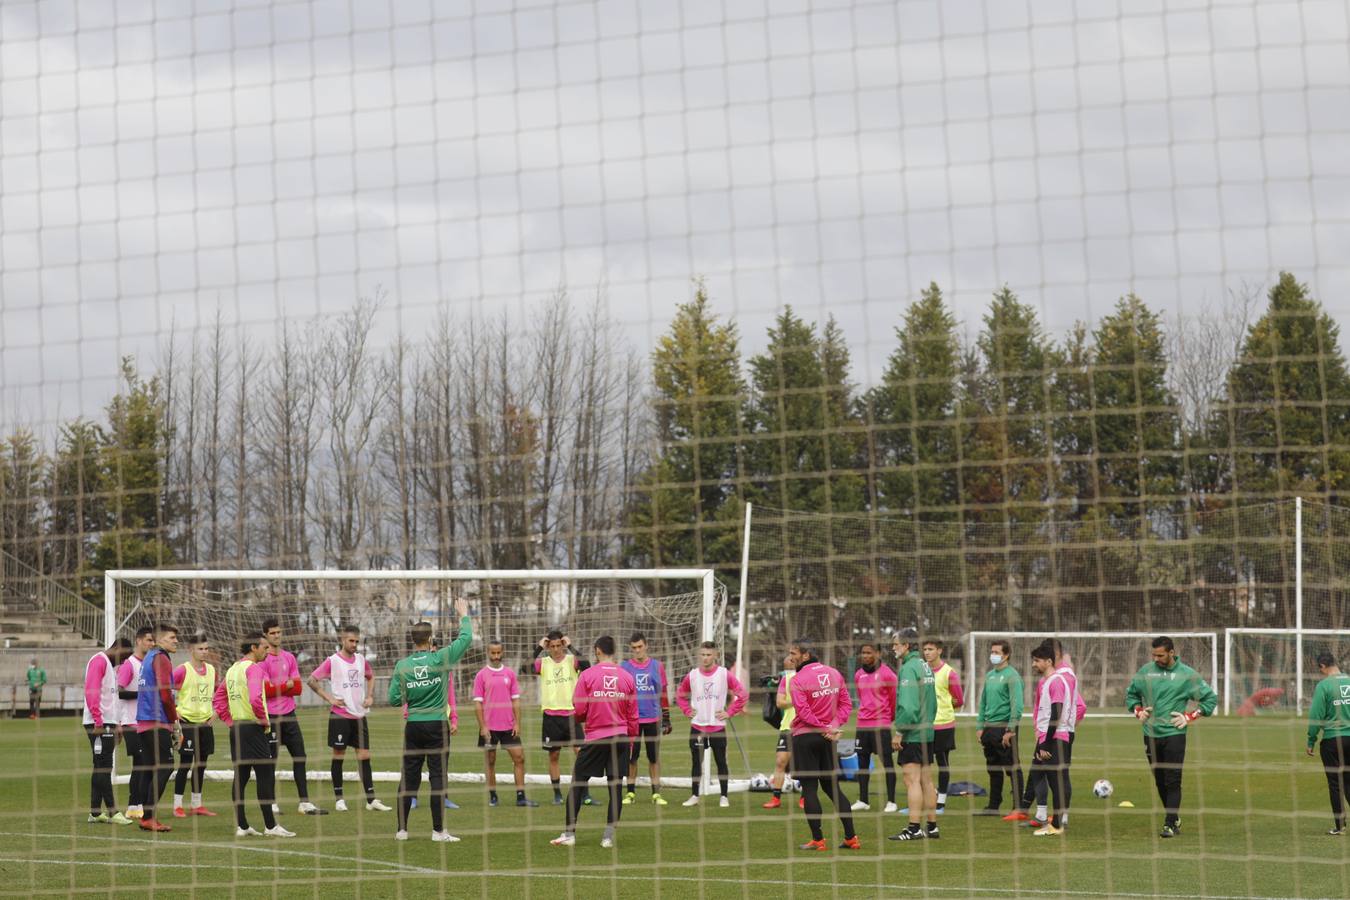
x,y
995,659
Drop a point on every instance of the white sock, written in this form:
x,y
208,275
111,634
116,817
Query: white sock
x,y
1040,813
1063,819
942,799
177,801
196,800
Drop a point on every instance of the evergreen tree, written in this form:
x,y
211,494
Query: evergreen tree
x,y
77,512
22,469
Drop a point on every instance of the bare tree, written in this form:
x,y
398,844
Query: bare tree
x,y
286,443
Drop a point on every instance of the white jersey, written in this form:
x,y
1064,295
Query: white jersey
x,y
126,709
708,696
348,680
109,710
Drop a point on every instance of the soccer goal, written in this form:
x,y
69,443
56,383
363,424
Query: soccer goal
x,y
1271,669
676,609
1103,660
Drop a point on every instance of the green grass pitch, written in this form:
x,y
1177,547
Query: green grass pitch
x,y
1254,825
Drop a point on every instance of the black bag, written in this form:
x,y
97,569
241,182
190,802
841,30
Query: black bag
x,y
771,713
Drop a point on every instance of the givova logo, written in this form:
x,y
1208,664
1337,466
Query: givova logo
x,y
1345,692
419,671
611,682
643,679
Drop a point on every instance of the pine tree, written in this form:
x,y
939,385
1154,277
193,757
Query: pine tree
x,y
77,512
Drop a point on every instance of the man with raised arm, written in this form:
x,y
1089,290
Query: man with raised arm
x,y
915,709
240,702
875,683
558,670
284,673
496,705
710,696
100,724
605,702
1329,716
157,725
195,682
823,706
419,686
1159,696
353,684
128,679
996,725
653,716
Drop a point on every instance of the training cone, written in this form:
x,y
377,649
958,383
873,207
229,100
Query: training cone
x,y
1125,804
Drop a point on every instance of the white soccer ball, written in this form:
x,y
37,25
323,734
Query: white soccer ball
x,y
1103,788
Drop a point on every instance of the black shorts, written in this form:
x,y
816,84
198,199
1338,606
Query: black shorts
x,y
562,731
783,742
602,758
912,752
286,730
250,744
504,738
199,742
344,733
944,740
649,735
132,741
873,741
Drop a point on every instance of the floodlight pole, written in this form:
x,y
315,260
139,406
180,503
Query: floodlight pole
x,y
742,668
1298,604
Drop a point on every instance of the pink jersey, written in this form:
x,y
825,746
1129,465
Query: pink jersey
x,y
283,671
702,704
820,699
496,689
324,672
1060,686
605,701
100,691
128,675
876,696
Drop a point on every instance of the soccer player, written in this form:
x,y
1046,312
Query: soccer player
x,y
950,698
419,686
37,677
996,724
820,697
1038,784
157,726
496,705
782,756
875,683
100,724
283,672
1329,715
915,709
128,677
558,670
605,702
653,716
353,683
1158,696
702,696
1056,718
195,682
241,703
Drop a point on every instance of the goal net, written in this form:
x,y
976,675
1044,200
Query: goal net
x,y
1262,671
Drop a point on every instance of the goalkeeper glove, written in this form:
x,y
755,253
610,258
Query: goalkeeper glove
x,y
1181,719
665,721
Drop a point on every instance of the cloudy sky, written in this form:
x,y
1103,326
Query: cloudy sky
x,y
279,159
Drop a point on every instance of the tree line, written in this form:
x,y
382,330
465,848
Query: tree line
x,y
486,443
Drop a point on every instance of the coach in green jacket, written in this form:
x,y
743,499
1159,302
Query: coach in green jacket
x,y
915,709
1329,715
1158,696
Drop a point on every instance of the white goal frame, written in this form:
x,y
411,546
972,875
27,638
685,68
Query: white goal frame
x,y
1297,633
975,638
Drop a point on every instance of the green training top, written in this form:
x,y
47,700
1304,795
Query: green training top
x,y
1330,710
1168,691
915,700
420,680
37,677
1001,701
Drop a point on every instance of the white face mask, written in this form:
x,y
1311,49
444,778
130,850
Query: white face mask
x,y
995,659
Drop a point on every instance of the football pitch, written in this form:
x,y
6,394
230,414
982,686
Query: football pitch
x,y
1253,825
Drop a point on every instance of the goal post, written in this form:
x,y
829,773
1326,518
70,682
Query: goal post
x,y
1104,661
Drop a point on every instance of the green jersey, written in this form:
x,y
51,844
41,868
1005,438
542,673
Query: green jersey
x,y
1168,691
915,700
37,677
1330,710
421,680
1001,700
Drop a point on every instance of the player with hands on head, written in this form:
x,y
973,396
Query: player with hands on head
x,y
559,669
1159,696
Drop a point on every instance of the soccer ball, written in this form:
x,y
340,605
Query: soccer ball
x,y
1103,788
